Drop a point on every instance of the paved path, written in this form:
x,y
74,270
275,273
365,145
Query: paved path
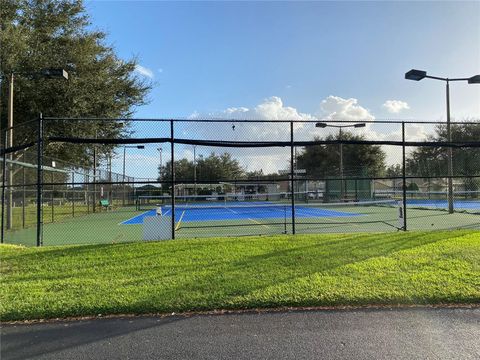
x,y
353,334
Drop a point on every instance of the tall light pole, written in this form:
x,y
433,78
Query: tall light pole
x,y
340,134
124,156
49,73
418,75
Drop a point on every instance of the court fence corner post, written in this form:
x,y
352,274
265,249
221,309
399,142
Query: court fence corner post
x,y
172,175
292,177
404,179
4,175
39,180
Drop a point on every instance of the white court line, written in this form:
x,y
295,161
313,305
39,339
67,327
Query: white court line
x,y
142,214
255,221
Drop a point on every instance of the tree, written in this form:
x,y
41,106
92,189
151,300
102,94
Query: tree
x,y
433,161
394,171
37,34
212,168
322,161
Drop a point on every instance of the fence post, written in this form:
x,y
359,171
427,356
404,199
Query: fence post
x,y
292,174
24,197
404,179
73,193
53,197
39,180
172,176
4,174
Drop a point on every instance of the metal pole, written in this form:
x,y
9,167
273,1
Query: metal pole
x,y
450,153
24,197
292,175
172,176
73,194
194,170
39,180
160,170
53,198
10,144
4,174
404,173
342,190
124,187
94,175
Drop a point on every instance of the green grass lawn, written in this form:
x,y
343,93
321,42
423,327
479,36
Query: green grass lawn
x,y
240,273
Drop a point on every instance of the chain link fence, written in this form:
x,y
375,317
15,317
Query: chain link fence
x,y
78,181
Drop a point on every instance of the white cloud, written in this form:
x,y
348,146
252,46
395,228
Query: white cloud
x,y
144,71
395,106
160,70
338,108
273,108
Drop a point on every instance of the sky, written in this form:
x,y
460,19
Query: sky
x,y
311,60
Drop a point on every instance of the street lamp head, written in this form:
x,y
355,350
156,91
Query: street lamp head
x,y
359,125
140,147
54,73
321,125
474,79
415,75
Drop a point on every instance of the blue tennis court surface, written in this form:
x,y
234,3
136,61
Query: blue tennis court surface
x,y
241,213
443,204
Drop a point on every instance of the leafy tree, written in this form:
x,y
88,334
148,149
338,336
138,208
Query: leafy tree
x,y
432,161
38,34
323,161
212,168
394,171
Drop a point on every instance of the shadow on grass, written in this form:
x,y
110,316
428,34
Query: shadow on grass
x,y
203,274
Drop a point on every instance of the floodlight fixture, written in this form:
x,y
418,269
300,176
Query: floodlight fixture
x,y
474,79
416,75
54,73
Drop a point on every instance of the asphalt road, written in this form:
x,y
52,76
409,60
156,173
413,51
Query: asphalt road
x,y
343,334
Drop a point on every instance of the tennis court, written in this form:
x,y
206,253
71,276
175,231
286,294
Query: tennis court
x,y
122,224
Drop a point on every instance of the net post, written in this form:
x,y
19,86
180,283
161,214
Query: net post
x,y
39,179
404,179
4,174
292,174
172,175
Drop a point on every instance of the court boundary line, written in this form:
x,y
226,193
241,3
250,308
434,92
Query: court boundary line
x,y
142,214
256,222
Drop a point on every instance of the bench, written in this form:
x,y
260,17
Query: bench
x,y
105,204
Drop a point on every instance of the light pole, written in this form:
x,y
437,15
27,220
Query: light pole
x,y
418,75
340,127
124,156
49,73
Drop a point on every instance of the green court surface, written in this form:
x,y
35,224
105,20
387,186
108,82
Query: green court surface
x,y
107,227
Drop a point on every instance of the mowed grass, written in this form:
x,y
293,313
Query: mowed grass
x,y
240,273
